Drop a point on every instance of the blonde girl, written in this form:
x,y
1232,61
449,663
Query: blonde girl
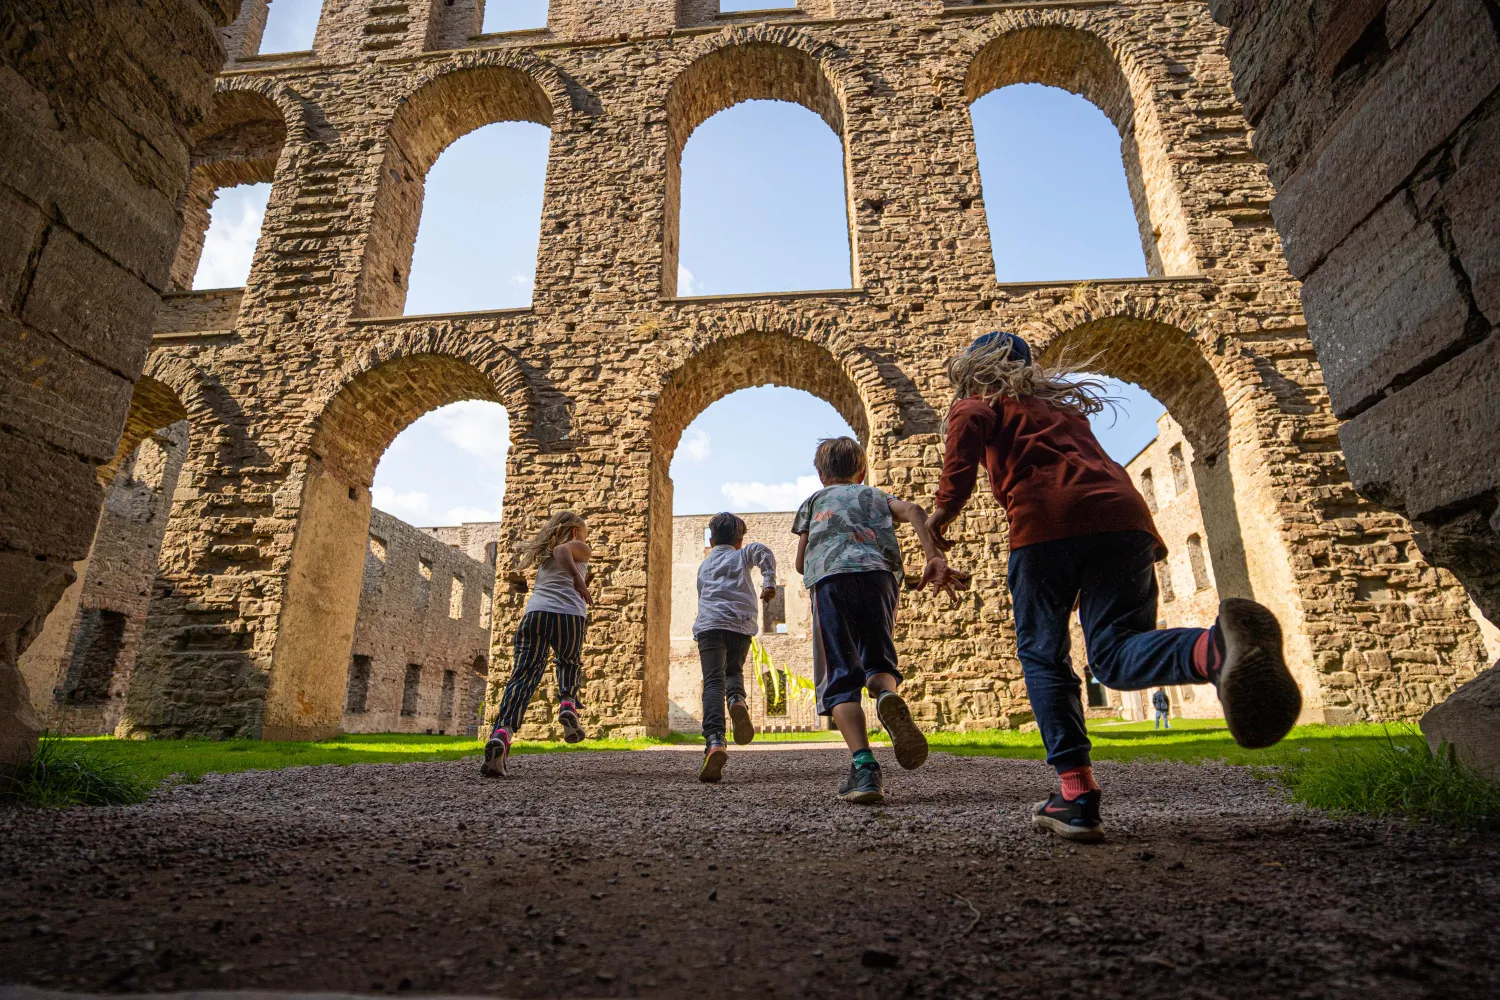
x,y
555,619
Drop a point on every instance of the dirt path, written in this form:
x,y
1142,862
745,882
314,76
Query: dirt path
x,y
619,875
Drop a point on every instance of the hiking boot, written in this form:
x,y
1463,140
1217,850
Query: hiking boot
x,y
714,759
739,714
863,786
496,755
571,727
1260,697
906,739
1071,819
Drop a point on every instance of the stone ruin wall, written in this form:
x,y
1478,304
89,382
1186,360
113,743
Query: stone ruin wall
x,y
78,669
790,649
411,616
295,386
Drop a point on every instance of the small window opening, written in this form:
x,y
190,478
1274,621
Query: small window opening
x,y
445,703
773,618
1148,490
358,698
411,689
456,599
1164,580
486,600
1179,470
1196,561
291,26
101,637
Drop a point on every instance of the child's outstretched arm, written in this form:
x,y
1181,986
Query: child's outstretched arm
x,y
568,556
937,572
970,423
764,559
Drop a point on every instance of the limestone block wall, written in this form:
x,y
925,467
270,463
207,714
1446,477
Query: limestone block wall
x,y
789,646
600,376
479,540
420,639
94,116
1380,125
78,669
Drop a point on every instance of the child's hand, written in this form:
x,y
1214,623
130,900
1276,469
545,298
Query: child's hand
x,y
583,591
944,578
937,524
768,595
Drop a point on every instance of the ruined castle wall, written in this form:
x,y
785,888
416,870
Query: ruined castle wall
x,y
79,668
96,99
1380,126
479,540
602,374
421,639
790,646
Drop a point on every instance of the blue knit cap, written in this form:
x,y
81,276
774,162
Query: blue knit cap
x,y
1019,349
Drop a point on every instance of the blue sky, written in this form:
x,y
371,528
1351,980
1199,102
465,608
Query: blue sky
x,y
763,210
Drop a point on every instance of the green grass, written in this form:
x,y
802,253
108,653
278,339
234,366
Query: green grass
x,y
154,761
73,773
1368,769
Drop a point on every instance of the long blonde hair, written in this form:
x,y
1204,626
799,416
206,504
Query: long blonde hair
x,y
558,530
988,371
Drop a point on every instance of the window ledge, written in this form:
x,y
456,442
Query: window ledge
x,y
769,296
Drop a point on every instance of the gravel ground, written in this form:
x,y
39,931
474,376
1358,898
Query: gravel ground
x,y
618,874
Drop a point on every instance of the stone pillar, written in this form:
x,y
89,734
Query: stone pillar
x,y
91,218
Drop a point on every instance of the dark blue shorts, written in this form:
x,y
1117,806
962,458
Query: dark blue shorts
x,y
853,616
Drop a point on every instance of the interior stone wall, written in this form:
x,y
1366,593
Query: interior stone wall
x,y
96,99
1380,125
319,370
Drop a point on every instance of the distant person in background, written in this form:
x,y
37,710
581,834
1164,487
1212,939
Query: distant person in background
x,y
554,621
1080,531
1163,709
728,618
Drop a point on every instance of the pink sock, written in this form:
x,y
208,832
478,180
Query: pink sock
x,y
1206,655
1078,780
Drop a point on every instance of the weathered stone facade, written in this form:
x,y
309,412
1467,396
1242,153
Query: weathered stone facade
x,y
422,636
94,115
297,385
786,627
78,669
1379,122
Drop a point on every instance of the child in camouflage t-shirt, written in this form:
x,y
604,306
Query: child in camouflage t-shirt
x,y
850,562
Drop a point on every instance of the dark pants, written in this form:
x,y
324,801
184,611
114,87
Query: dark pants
x,y
539,633
1113,578
722,654
854,619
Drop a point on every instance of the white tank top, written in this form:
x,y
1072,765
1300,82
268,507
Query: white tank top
x,y
554,590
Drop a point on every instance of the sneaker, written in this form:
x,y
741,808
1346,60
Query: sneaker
x,y
906,739
739,714
496,755
714,759
1071,819
864,785
1260,697
571,727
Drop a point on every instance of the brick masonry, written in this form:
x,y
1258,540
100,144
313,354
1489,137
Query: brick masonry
x,y
296,387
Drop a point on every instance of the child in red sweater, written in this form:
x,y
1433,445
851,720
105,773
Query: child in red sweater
x,y
1079,531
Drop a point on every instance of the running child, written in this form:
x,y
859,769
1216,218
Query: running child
x,y
728,616
555,619
1080,531
850,562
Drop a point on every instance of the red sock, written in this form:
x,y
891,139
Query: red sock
x,y
1207,656
1078,780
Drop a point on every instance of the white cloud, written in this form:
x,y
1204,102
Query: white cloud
x,y
526,281
697,446
477,428
233,229
461,515
407,506
770,496
686,283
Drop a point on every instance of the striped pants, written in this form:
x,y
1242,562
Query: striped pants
x,y
539,632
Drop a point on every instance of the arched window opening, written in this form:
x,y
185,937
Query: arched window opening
x,y
763,203
1055,187
513,15
1164,582
290,26
235,220
1148,489
1179,470
1197,563
476,247
749,453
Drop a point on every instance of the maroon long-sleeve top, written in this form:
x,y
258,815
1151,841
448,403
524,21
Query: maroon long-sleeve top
x,y
1046,468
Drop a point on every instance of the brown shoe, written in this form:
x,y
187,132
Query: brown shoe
x,y
739,714
714,759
